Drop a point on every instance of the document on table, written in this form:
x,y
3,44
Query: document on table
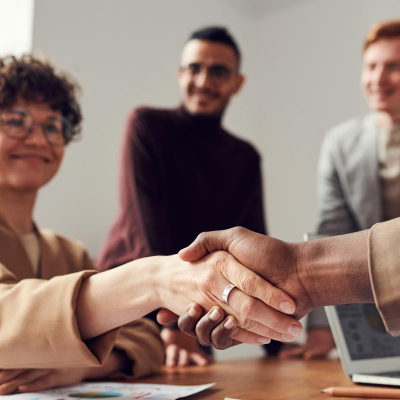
x,y
112,390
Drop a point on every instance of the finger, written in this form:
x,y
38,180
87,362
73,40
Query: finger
x,y
172,355
241,335
165,317
187,321
200,358
205,243
183,360
252,314
253,285
207,324
241,305
26,377
291,352
44,382
255,316
7,375
221,335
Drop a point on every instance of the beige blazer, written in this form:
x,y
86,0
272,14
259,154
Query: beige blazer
x,y
38,328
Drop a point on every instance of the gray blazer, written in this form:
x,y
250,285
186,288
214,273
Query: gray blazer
x,y
349,195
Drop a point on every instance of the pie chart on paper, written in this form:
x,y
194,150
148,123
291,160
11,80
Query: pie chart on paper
x,y
95,395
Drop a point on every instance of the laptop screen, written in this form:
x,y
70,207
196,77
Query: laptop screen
x,y
365,334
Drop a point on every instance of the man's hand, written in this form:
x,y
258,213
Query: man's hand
x,y
182,350
319,343
276,261
253,301
213,328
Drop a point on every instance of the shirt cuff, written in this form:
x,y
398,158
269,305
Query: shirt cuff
x,y
384,270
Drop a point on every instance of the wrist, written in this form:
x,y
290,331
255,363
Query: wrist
x,y
173,283
334,270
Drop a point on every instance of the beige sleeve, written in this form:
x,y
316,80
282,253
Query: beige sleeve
x,y
141,342
384,268
38,328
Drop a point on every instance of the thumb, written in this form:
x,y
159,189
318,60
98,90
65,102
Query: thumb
x,y
207,242
165,317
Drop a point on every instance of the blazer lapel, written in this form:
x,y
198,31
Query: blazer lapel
x,y
13,254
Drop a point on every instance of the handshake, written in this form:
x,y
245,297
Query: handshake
x,y
287,279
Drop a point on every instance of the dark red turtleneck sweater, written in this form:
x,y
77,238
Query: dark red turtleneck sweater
x,y
180,175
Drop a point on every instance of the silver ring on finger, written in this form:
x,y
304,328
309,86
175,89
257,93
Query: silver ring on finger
x,y
226,292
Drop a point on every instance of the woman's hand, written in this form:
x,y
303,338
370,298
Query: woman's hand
x,y
33,380
254,302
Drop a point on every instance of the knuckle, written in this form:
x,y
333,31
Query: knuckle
x,y
247,324
203,340
221,340
203,336
278,325
238,231
202,237
247,283
219,260
182,324
207,283
248,308
220,346
270,297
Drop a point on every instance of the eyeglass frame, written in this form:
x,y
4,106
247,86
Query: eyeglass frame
x,y
208,68
67,127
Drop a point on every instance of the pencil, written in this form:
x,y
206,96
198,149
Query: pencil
x,y
375,392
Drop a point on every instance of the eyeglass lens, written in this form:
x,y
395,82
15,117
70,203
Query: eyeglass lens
x,y
18,124
217,72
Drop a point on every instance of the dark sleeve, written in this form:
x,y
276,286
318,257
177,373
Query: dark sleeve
x,y
140,229
253,212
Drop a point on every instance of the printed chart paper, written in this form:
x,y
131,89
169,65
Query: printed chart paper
x,y
112,390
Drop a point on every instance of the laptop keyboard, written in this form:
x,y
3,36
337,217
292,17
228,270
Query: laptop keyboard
x,y
390,374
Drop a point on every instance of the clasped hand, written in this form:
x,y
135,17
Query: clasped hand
x,y
276,266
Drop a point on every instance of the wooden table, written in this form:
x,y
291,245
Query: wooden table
x,y
259,379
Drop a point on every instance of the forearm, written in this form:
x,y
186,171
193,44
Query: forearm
x,y
335,270
118,296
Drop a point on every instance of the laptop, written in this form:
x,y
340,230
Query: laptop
x,y
368,353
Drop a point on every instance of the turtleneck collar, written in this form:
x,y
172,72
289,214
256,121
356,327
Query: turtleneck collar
x,y
203,124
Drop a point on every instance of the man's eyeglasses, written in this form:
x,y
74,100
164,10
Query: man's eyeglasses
x,y
18,124
217,73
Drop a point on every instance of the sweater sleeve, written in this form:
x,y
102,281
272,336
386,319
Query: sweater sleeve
x,y
38,328
140,229
253,217
384,268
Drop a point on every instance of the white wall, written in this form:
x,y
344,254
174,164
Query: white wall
x,y
16,22
302,60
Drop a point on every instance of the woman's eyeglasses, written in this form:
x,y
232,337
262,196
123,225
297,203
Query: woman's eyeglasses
x,y
18,124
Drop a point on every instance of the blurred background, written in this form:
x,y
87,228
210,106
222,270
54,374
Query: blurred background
x,y
301,58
